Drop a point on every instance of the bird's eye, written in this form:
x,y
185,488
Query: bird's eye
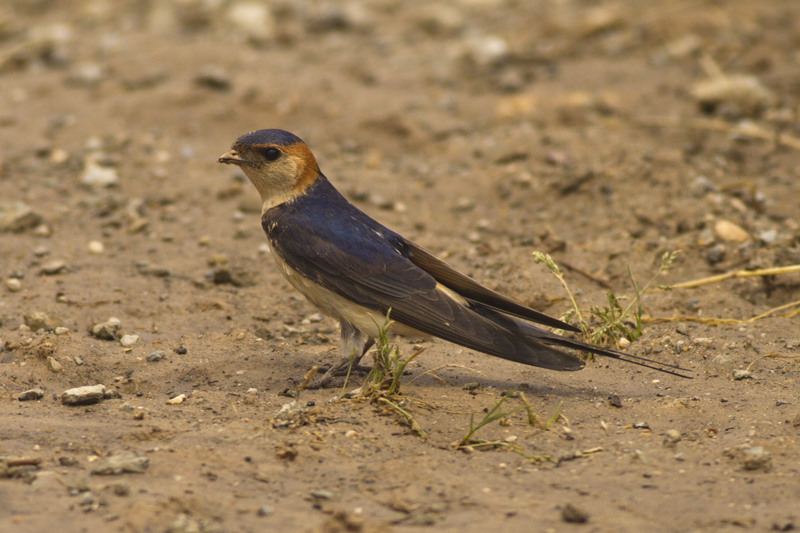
x,y
272,154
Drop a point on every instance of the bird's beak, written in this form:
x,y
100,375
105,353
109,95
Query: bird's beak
x,y
232,158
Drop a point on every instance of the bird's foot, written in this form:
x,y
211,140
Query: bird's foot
x,y
339,369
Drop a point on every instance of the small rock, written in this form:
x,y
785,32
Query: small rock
x,y
615,401
722,363
52,268
98,176
177,399
574,515
156,356
212,77
32,394
106,330
705,342
17,217
623,343
739,375
601,19
111,394
265,510
486,50
83,395
121,489
728,231
86,75
322,494
96,247
768,236
61,330
184,524
672,438
128,341
685,46
440,19
37,320
67,460
744,95
42,230
13,285
54,366
254,20
120,463
756,458
702,186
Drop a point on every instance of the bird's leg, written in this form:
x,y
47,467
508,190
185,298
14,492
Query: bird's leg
x,y
354,343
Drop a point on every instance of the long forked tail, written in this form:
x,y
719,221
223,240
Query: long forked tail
x,y
537,335
553,339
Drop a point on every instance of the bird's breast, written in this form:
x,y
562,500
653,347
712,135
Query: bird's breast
x,y
340,308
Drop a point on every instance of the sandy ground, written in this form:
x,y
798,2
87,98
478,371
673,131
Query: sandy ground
x,y
481,129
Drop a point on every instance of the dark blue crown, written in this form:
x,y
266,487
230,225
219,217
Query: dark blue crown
x,y
279,137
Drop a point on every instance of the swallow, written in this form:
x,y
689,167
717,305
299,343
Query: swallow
x,y
355,270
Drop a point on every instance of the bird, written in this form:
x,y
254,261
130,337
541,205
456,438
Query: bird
x,y
355,270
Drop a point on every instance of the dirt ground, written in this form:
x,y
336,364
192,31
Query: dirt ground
x,y
481,129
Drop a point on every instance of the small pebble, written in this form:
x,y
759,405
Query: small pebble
x,y
17,216
96,247
54,365
322,494
265,510
623,343
121,489
177,399
715,254
32,394
574,515
156,356
212,77
705,342
672,438
254,20
756,458
61,330
739,375
128,341
83,395
37,320
13,285
95,175
122,462
743,93
728,231
614,400
722,362
106,330
67,460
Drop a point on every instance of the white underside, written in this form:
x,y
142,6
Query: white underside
x,y
340,308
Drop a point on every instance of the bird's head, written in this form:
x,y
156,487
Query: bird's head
x,y
277,163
